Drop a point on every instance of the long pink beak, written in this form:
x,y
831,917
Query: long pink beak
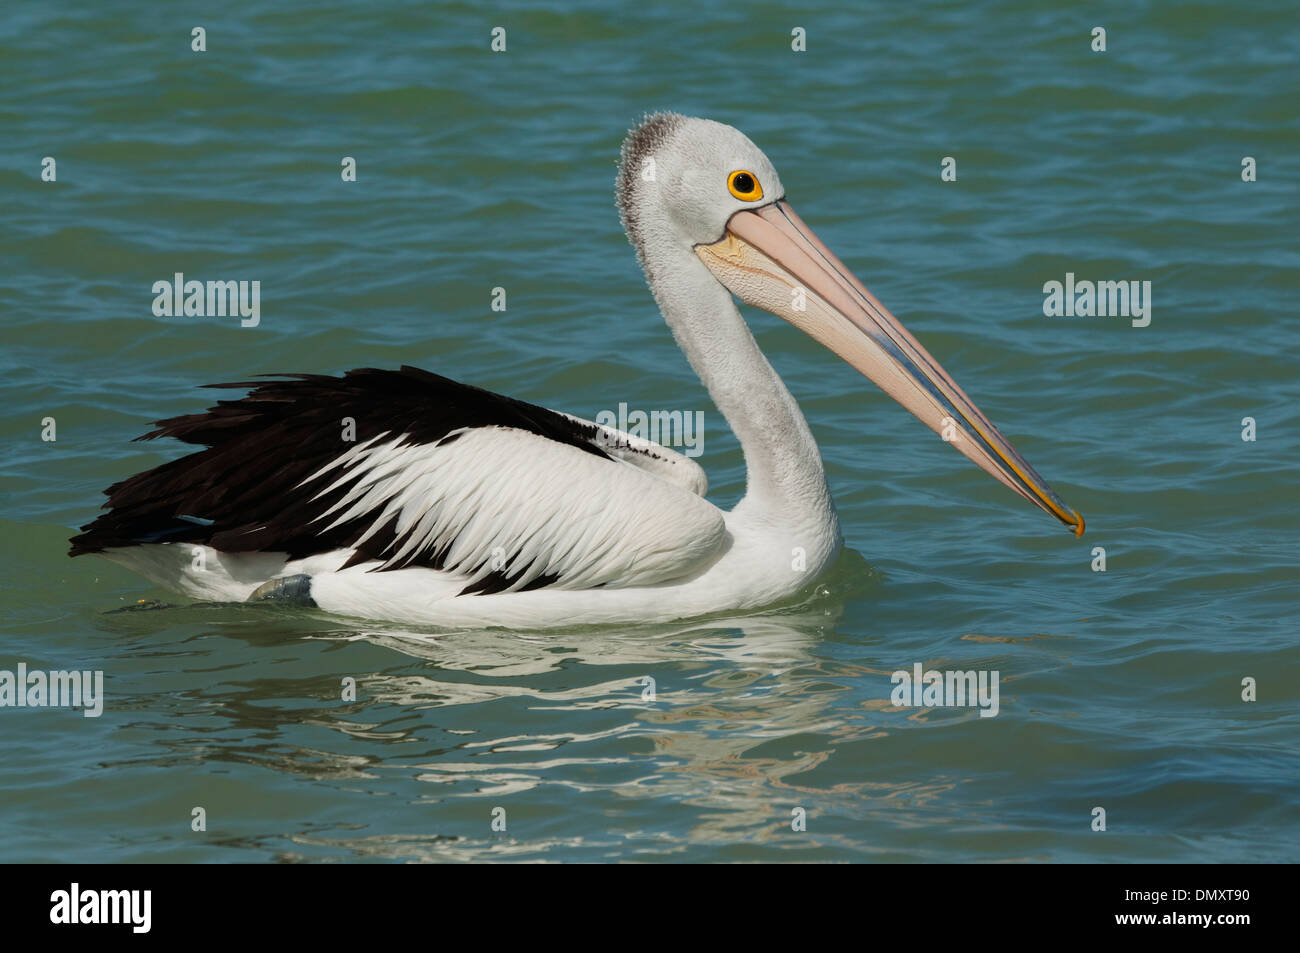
x,y
770,259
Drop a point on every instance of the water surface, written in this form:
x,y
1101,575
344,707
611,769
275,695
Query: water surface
x,y
1120,689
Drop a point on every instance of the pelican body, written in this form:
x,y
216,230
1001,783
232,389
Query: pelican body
x,y
456,507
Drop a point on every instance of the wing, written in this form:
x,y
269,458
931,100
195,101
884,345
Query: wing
x,y
407,468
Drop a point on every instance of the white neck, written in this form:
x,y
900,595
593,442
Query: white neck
x,y
785,479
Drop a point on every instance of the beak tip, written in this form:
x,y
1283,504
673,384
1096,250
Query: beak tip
x,y
1078,524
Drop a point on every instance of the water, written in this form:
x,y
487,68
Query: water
x,y
1120,689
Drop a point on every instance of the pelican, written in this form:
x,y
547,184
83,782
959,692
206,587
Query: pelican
x,y
456,507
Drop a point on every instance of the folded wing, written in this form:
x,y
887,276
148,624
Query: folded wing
x,y
406,468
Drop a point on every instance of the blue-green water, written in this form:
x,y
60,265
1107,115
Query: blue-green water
x,y
1120,689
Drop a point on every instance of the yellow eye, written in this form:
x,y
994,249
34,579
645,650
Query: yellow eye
x,y
744,186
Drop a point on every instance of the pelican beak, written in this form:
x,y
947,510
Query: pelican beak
x,y
770,259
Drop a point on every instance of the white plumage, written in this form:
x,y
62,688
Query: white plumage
x,y
505,500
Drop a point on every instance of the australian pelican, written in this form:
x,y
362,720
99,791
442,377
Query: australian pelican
x,y
458,507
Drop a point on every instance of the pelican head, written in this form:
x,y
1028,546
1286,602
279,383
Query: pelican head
x,y
696,187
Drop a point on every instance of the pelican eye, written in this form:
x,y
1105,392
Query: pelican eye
x,y
744,186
